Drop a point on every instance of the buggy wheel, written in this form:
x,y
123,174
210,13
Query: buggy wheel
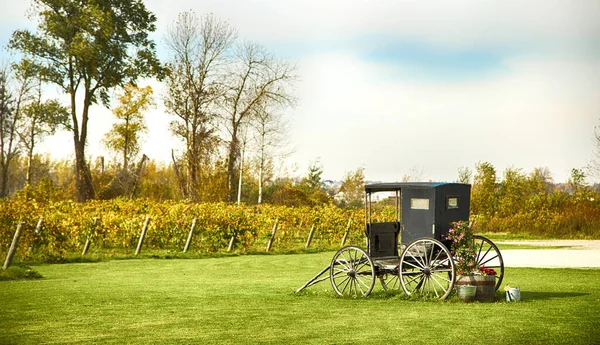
x,y
388,274
427,268
352,272
489,256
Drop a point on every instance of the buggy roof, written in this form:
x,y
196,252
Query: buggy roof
x,y
394,186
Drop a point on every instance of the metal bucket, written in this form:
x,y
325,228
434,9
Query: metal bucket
x,y
513,295
466,293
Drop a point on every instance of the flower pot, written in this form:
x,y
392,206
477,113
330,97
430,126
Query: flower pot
x,y
486,286
466,293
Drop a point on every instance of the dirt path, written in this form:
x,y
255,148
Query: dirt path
x,y
581,253
574,244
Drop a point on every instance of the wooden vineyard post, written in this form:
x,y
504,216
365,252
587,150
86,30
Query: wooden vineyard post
x,y
13,246
231,242
310,235
38,230
346,233
142,235
272,234
189,239
86,247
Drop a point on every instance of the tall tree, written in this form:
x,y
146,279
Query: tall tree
x,y
90,46
125,136
255,77
199,52
40,118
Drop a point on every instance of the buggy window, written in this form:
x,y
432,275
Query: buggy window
x,y
419,204
452,203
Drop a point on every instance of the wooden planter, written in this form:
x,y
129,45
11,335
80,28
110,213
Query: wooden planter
x,y
486,286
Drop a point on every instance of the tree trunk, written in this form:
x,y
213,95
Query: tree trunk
x,y
136,177
231,167
241,173
83,176
29,163
180,180
261,165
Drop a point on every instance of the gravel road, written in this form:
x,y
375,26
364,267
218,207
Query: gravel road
x,y
580,253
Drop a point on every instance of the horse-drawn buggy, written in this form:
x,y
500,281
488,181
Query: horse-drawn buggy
x,y
412,251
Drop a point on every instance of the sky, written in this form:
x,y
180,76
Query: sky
x,y
398,87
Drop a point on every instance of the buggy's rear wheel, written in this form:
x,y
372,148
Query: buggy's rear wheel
x,y
352,272
388,274
427,268
489,256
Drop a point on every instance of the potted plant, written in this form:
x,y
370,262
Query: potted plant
x,y
469,272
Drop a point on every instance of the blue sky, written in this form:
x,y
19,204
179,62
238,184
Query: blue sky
x,y
395,86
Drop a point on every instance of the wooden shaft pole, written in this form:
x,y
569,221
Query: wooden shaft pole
x,y
142,235
310,236
231,242
13,246
38,230
86,247
346,233
273,234
189,239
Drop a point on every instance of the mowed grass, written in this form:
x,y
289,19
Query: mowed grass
x,y
252,300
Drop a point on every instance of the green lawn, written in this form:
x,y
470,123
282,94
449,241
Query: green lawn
x,y
252,299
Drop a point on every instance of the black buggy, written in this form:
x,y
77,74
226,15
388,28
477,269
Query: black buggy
x,y
423,262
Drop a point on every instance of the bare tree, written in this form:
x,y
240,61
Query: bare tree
x,y
464,175
40,118
593,167
199,53
11,103
414,174
255,77
270,136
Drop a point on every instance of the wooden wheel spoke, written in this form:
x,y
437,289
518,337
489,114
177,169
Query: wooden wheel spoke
x,y
440,285
480,258
440,277
488,260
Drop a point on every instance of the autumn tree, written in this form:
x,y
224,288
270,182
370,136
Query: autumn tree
x,y
484,197
353,187
255,77
124,137
198,48
87,48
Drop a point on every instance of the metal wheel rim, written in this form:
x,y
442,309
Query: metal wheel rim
x,y
489,255
427,268
352,272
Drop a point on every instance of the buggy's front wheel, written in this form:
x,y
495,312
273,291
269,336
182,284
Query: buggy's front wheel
x,y
352,272
489,256
427,268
